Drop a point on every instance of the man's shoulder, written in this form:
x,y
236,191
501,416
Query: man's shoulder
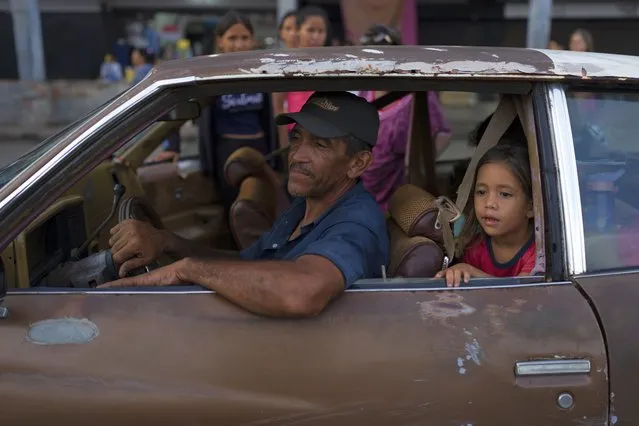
x,y
361,208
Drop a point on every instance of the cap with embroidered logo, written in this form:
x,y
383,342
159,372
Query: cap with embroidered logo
x,y
336,114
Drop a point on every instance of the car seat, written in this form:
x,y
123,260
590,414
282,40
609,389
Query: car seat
x,y
416,237
261,197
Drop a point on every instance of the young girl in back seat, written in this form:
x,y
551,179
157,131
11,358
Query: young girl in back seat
x,y
497,239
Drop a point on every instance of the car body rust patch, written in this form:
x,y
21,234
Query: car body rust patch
x,y
62,331
447,305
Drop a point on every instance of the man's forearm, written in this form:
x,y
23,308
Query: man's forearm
x,y
181,248
272,288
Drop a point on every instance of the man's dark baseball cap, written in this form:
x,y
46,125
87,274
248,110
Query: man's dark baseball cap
x,y
331,115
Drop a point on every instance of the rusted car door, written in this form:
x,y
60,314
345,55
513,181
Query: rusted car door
x,y
400,353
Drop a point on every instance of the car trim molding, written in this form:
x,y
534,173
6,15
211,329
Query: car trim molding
x,y
564,151
378,287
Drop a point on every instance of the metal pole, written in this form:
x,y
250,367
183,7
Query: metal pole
x,y
27,35
539,23
37,48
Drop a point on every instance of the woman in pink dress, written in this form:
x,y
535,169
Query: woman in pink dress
x,y
313,30
387,172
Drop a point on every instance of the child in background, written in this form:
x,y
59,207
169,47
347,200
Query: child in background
x,y
498,239
111,70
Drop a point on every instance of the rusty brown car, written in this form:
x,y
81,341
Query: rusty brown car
x,y
554,348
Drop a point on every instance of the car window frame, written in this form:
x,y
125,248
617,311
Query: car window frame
x,y
572,231
431,283
609,88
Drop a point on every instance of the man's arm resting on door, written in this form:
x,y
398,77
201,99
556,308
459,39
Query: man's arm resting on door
x,y
299,288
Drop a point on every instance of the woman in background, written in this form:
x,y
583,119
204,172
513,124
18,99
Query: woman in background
x,y
581,41
313,30
232,121
287,30
387,172
142,61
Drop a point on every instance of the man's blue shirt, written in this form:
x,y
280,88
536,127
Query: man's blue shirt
x,y
352,234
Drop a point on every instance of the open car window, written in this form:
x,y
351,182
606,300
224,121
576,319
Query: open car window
x,y
188,204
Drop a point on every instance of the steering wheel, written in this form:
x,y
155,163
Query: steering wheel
x,y
139,209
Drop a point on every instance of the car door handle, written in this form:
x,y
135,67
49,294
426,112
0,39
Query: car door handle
x,y
552,367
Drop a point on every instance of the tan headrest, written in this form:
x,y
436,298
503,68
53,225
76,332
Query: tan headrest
x,y
243,163
253,212
415,212
412,257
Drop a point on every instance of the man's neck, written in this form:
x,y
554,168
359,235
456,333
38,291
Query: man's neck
x,y
315,207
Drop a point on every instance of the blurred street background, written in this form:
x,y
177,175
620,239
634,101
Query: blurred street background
x,y
63,58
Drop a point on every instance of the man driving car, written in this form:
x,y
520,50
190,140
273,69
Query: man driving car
x,y
332,235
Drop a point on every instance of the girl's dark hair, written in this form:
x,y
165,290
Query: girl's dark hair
x,y
229,19
515,156
587,36
146,54
285,17
307,11
381,35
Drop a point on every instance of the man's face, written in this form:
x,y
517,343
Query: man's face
x,y
316,165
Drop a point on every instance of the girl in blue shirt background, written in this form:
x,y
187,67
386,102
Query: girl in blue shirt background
x,y
232,121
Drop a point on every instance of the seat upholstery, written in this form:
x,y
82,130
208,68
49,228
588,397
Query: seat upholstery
x,y
261,196
416,239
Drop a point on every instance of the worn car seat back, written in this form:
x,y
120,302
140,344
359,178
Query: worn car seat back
x,y
257,205
253,212
416,238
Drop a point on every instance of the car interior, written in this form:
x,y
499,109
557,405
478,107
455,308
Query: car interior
x,y
67,246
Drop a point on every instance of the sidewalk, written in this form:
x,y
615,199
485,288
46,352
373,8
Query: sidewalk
x,y
34,111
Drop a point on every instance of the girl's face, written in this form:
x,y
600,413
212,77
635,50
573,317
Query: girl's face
x,y
577,43
136,58
312,32
288,33
236,39
502,208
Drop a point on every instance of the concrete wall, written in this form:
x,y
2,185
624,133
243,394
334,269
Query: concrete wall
x,y
52,104
74,45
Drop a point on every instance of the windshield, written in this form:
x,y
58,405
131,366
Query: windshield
x,y
10,171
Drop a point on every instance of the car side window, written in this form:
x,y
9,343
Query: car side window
x,y
604,128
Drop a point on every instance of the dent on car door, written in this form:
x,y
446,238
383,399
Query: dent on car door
x,y
383,354
604,129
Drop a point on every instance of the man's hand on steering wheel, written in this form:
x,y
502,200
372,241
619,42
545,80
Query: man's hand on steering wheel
x,y
135,244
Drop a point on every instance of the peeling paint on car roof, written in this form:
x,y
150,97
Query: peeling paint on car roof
x,y
594,65
425,61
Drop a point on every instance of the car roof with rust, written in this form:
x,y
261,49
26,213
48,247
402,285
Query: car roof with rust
x,y
448,61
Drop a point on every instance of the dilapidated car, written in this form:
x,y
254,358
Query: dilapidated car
x,y
554,348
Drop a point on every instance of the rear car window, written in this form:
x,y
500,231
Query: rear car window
x,y
605,128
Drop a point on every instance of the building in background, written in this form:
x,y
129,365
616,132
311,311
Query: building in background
x,y
77,34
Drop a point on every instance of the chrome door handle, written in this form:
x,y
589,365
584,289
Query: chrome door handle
x,y
552,367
